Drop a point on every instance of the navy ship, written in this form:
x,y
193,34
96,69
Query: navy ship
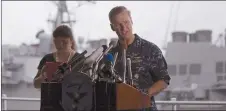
x,y
197,67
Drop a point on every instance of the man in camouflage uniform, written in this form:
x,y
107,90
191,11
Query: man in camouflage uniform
x,y
148,65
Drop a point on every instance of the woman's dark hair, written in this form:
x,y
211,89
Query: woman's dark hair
x,y
65,32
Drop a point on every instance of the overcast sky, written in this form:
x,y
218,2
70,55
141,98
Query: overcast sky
x,y
21,20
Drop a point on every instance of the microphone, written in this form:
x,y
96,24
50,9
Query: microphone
x,y
129,71
112,44
95,54
65,66
124,64
115,58
76,60
92,57
110,58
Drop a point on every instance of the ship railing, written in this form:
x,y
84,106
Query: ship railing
x,y
173,102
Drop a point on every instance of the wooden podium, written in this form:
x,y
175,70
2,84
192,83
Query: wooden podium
x,y
119,97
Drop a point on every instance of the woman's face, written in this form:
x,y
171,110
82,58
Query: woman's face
x,y
62,43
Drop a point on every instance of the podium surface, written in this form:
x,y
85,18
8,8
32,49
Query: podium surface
x,y
119,97
130,98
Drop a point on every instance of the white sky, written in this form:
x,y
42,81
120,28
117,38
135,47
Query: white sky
x,y
21,20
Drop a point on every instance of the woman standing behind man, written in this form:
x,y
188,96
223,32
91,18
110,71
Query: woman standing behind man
x,y
65,50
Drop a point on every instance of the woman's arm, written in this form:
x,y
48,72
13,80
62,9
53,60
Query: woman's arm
x,y
39,78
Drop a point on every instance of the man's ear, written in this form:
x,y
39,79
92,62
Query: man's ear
x,y
112,28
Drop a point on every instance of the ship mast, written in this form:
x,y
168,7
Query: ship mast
x,y
62,11
169,23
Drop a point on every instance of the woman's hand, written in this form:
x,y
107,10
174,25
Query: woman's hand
x,y
43,75
41,78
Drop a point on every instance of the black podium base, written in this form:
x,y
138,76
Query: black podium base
x,y
51,97
104,96
75,93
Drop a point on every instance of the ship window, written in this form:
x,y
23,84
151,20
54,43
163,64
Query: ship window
x,y
195,69
172,69
182,69
219,67
220,78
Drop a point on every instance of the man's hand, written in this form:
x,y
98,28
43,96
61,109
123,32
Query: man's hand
x,y
157,88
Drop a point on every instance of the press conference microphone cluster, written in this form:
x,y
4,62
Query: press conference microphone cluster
x,y
112,44
106,69
91,63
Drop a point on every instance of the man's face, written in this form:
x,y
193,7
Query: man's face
x,y
122,25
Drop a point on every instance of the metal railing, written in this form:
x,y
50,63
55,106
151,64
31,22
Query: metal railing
x,y
173,102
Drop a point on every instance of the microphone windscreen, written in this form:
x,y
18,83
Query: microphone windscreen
x,y
104,47
92,57
113,43
109,57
